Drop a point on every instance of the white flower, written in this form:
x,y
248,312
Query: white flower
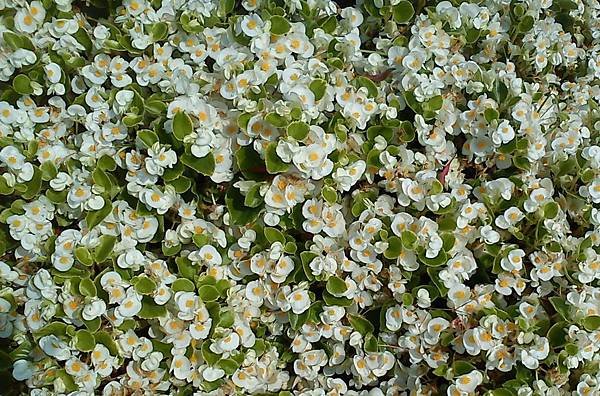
x,y
510,218
156,199
504,134
468,382
489,235
229,342
459,295
393,317
212,373
251,25
299,301
348,176
130,305
23,370
94,309
28,19
513,261
131,259
539,351
207,254
11,157
181,367
53,346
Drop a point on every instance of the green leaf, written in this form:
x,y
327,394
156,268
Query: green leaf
x,y
183,284
472,35
557,335
16,41
253,198
379,130
182,125
56,328
394,247
104,248
250,163
67,381
84,341
204,165
274,235
373,158
33,187
318,87
132,120
297,320
276,120
147,137
329,194
462,367
491,114
438,260
228,365
170,250
87,288
409,239
571,349
175,172
49,170
290,248
208,293
226,7
155,107
22,84
336,286
370,85
566,5
239,214
279,25
408,299
551,210
101,179
340,301
434,104
587,176
371,344
83,255
360,324
5,189
145,285
106,339
181,184
526,24
159,31
561,307
274,163
83,38
186,268
150,310
500,91
502,392
591,323
298,130
222,286
209,356
411,101
403,11
95,217
226,318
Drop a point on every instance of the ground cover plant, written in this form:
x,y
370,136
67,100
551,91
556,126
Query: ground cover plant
x,y
290,197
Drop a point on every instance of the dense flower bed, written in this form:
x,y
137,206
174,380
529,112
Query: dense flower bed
x,y
215,197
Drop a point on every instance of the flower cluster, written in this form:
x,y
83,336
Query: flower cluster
x,y
289,197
